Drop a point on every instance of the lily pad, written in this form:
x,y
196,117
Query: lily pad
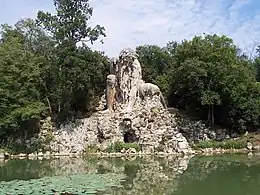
x,y
75,184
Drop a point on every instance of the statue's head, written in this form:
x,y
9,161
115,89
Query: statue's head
x,y
113,60
113,65
111,80
128,55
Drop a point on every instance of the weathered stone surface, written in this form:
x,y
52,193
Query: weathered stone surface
x,y
138,115
110,92
2,155
101,130
42,139
249,146
256,148
195,130
32,155
22,155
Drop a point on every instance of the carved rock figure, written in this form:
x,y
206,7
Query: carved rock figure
x,y
113,65
110,92
149,89
133,84
129,75
126,84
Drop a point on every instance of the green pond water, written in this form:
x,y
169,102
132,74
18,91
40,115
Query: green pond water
x,y
217,175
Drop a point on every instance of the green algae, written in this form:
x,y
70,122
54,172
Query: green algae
x,y
74,184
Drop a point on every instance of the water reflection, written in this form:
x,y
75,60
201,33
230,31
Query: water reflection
x,y
229,174
153,175
225,175
24,169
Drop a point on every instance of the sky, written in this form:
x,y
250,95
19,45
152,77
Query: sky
x,y
130,23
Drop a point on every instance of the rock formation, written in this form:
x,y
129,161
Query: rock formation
x,y
129,111
149,89
110,92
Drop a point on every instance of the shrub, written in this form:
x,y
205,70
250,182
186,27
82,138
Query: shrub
x,y
91,149
118,146
228,144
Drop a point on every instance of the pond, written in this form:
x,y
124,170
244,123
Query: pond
x,y
199,175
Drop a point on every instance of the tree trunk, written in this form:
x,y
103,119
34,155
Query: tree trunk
x,y
209,116
49,105
212,116
47,99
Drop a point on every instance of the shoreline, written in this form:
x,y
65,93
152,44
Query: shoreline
x,y
199,152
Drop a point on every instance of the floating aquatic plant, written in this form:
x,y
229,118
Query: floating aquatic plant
x,y
75,184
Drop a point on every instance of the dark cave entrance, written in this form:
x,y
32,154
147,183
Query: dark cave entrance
x,y
130,137
128,132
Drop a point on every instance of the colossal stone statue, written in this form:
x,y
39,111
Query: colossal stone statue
x,y
110,92
127,83
138,115
130,77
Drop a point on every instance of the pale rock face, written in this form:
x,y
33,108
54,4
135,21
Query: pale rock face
x,y
127,70
110,92
138,115
249,146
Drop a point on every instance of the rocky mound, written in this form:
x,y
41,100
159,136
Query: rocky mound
x,y
130,111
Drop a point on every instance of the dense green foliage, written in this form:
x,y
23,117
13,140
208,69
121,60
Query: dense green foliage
x,y
257,64
208,78
228,144
156,64
20,82
119,146
44,72
47,69
76,72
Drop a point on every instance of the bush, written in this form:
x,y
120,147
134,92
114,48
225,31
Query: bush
x,y
16,148
118,146
91,149
229,144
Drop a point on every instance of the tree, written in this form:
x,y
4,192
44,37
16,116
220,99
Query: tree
x,y
68,27
35,40
257,64
209,76
71,22
44,72
155,62
21,104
